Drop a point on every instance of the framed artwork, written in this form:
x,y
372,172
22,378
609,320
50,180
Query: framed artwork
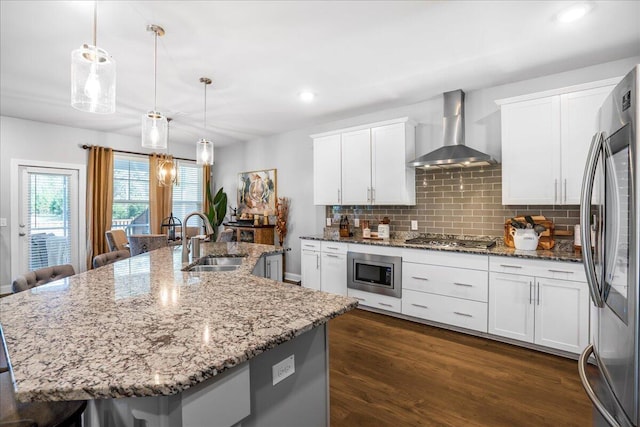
x,y
257,192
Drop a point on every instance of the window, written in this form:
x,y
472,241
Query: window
x,y
187,195
131,194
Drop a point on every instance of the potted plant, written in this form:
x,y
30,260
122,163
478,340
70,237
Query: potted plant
x,y
216,208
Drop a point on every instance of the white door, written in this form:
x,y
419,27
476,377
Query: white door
x,y
579,121
562,314
388,165
356,167
511,308
311,269
326,170
531,152
333,273
48,218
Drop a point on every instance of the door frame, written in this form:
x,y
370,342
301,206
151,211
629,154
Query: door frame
x,y
82,207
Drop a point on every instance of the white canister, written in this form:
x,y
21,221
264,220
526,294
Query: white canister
x,y
526,239
383,231
577,238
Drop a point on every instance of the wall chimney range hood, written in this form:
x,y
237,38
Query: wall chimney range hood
x,y
454,153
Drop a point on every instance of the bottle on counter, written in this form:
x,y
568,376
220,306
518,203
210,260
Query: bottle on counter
x,y
344,226
366,231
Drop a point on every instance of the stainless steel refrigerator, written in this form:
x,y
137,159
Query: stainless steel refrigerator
x,y
609,206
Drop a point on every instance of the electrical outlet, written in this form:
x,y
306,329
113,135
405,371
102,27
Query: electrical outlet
x,y
284,369
329,222
414,225
3,222
356,222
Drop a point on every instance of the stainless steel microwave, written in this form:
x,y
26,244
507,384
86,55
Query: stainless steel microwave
x,y
379,274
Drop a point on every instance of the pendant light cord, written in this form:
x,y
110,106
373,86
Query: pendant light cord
x,y
155,70
95,24
205,106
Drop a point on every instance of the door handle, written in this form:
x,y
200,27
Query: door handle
x,y
21,226
22,234
582,371
585,213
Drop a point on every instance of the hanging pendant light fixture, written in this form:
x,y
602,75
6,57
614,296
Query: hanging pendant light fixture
x,y
93,76
167,172
154,123
204,151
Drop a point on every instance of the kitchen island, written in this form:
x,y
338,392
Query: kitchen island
x,y
143,339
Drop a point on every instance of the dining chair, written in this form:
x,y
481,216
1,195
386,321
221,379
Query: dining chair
x,y
141,243
116,239
41,276
110,258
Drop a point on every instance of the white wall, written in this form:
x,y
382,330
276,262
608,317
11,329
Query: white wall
x,y
291,153
29,140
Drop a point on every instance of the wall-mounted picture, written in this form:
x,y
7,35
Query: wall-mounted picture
x,y
257,192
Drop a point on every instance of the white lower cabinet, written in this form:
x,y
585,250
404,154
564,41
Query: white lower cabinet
x,y
333,268
552,312
383,302
310,264
444,293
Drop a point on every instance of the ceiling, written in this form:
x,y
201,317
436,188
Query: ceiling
x,y
358,56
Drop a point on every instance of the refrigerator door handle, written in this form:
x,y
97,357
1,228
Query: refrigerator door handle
x,y
582,370
585,215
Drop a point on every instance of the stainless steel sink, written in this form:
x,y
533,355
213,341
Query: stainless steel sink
x,y
213,267
214,263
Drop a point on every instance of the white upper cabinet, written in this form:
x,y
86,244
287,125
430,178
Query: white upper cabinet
x,y
356,167
327,185
373,163
545,141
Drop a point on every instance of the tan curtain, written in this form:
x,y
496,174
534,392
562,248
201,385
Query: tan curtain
x,y
160,198
206,178
99,200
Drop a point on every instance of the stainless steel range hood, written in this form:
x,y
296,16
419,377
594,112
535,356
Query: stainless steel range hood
x,y
454,153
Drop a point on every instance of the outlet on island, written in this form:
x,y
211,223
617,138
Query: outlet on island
x,y
283,369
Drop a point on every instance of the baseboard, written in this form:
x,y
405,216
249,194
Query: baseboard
x,y
291,277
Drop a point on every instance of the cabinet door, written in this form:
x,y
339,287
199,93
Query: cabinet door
x,y
578,123
562,314
311,269
273,267
389,165
326,170
356,167
511,308
333,273
531,152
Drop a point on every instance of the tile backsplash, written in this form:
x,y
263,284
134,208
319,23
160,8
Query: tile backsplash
x,y
459,202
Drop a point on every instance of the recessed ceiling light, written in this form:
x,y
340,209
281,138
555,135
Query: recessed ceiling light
x,y
307,96
573,12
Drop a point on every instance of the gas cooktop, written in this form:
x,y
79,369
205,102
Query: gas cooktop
x,y
451,243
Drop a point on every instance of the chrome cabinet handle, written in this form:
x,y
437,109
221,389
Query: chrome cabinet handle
x,y
22,226
582,371
385,304
317,262
22,234
309,246
560,271
373,195
555,190
419,305
368,195
419,278
462,314
339,200
530,288
538,285
510,266
564,193
332,256
585,213
466,285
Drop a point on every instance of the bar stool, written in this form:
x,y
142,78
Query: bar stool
x,y
109,258
42,276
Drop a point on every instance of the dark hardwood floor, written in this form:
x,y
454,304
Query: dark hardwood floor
x,y
392,372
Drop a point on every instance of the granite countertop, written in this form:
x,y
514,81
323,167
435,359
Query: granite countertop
x,y
144,327
562,251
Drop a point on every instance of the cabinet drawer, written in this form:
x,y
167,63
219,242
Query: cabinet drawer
x,y
334,247
573,271
383,302
447,281
448,310
448,259
313,245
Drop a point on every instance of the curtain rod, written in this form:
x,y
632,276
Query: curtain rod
x,y
87,147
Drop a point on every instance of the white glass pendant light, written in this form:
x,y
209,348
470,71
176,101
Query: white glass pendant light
x,y
204,152
154,123
167,172
93,76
